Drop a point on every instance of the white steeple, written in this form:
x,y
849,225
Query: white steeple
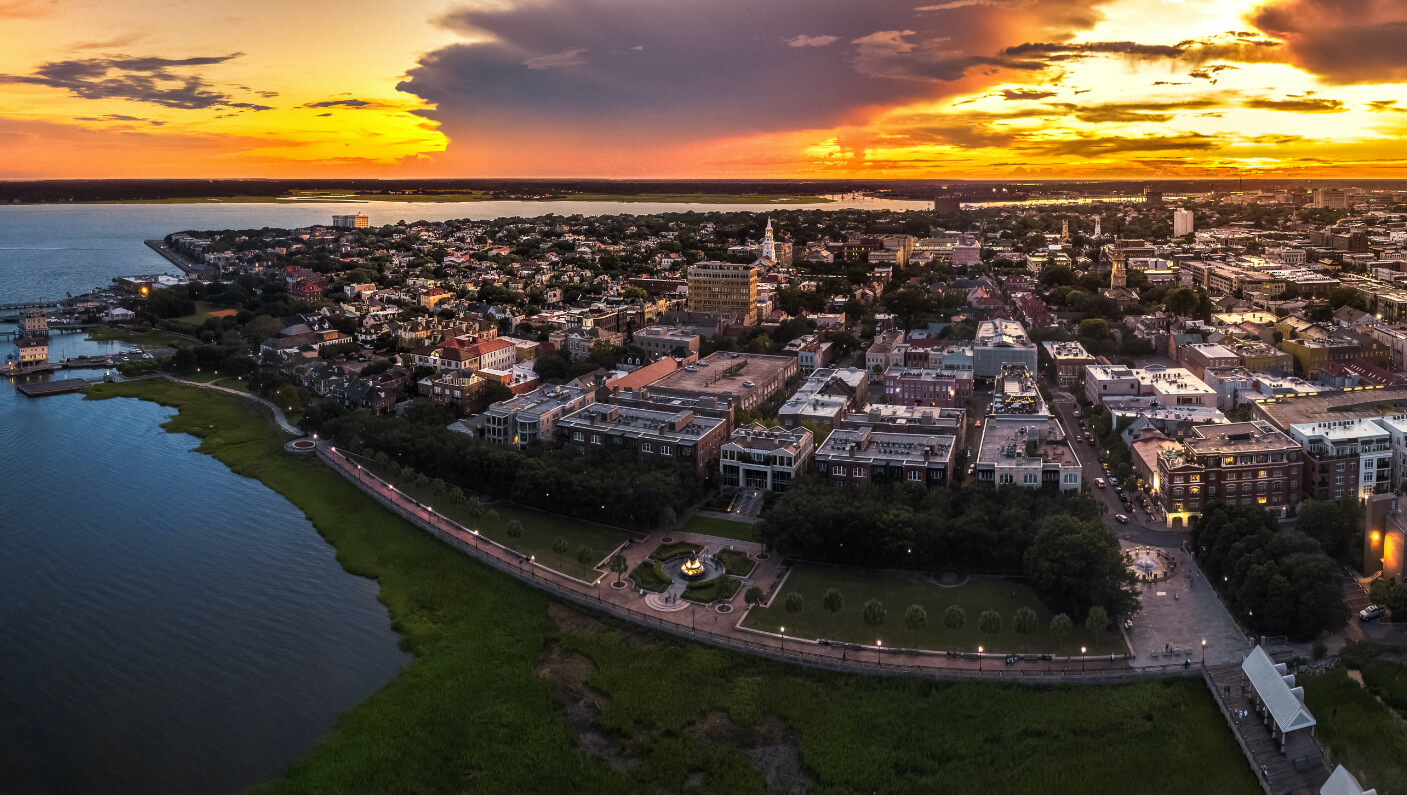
x,y
769,246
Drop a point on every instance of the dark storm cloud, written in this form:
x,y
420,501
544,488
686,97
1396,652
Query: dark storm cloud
x,y
1094,146
1134,111
340,103
1298,105
1018,94
139,79
1341,41
1229,46
727,66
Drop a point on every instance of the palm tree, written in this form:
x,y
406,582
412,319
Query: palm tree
x,y
1024,621
619,565
954,618
915,617
1061,626
832,601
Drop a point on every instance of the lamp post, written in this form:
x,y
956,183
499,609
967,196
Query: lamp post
x,y
1082,659
784,640
359,473
1204,651
879,653
979,659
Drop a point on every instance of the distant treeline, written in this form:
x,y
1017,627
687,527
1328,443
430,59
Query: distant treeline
x,y
90,190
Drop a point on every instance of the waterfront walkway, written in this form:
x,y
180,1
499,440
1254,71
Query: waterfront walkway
x,y
707,624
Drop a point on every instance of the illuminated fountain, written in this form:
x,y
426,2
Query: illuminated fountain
x,y
693,569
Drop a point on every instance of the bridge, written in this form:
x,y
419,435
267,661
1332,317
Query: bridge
x,y
30,305
56,329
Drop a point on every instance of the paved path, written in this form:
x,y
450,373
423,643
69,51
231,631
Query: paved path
x,y
1179,614
703,623
278,412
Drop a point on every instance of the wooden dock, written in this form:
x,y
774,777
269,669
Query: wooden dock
x,y
46,388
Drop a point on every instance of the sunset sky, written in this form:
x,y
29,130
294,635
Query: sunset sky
x,y
703,88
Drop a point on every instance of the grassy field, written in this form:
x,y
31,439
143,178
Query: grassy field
x,y
142,339
1360,732
540,529
723,528
503,680
202,311
898,590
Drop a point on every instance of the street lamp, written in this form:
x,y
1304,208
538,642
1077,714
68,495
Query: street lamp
x,y
784,639
1204,651
879,655
1082,659
979,659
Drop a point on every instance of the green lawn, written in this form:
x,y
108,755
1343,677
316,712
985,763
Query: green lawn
x,y
202,311
897,590
237,384
722,528
736,562
540,529
1359,732
480,707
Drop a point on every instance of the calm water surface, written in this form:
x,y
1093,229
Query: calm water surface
x,y
165,625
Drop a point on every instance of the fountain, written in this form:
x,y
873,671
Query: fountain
x,y
693,569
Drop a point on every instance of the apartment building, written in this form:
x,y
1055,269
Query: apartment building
x,y
811,352
1173,386
826,397
532,417
923,387
744,380
668,341
998,343
1197,357
759,457
1021,444
667,437
865,455
1345,457
724,290
1109,380
1246,463
1070,359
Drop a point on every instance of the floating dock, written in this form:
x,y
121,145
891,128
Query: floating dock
x,y
46,388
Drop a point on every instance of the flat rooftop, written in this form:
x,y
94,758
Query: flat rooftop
x,y
1351,403
723,373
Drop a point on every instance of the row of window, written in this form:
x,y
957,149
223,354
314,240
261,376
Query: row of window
x,y
838,470
645,447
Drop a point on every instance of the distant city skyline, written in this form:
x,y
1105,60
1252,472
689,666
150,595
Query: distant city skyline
x,y
974,89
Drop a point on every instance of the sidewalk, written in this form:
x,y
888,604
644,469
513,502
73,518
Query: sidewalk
x,y
279,416
706,624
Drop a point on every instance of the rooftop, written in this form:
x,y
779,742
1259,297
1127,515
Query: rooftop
x,y
867,444
724,372
1237,437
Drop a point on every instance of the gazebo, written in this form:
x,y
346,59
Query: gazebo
x,y
1279,703
1342,782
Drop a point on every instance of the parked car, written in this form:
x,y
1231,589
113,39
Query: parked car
x,y
1077,412
1099,482
1113,481
1371,612
1122,519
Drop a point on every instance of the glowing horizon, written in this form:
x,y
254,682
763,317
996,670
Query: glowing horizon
x,y
964,89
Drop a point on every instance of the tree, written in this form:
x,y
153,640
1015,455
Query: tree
x,y
990,622
1075,564
1061,626
667,517
754,596
1334,524
585,555
560,545
1097,621
832,601
1094,328
1024,622
874,612
915,617
954,618
261,328
514,531
794,603
1182,301
619,565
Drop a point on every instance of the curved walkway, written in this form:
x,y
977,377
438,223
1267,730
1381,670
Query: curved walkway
x,y
279,416
701,622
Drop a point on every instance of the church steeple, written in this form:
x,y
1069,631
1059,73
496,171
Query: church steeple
x,y
1119,276
769,245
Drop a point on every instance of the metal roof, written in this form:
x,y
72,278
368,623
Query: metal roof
x,y
1276,689
1342,782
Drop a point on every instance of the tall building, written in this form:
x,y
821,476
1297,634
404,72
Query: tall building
x,y
947,205
1331,198
998,343
32,342
357,221
769,245
1119,275
724,289
1182,223
1249,461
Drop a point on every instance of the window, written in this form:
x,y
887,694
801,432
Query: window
x,y
1260,474
1177,493
1338,493
858,472
1031,480
666,450
915,475
647,448
1005,478
1211,491
595,438
1338,467
577,436
838,470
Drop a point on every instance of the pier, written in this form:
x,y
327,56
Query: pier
x,y
46,388
187,267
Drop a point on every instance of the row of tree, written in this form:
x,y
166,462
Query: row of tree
x,y
610,486
1072,559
